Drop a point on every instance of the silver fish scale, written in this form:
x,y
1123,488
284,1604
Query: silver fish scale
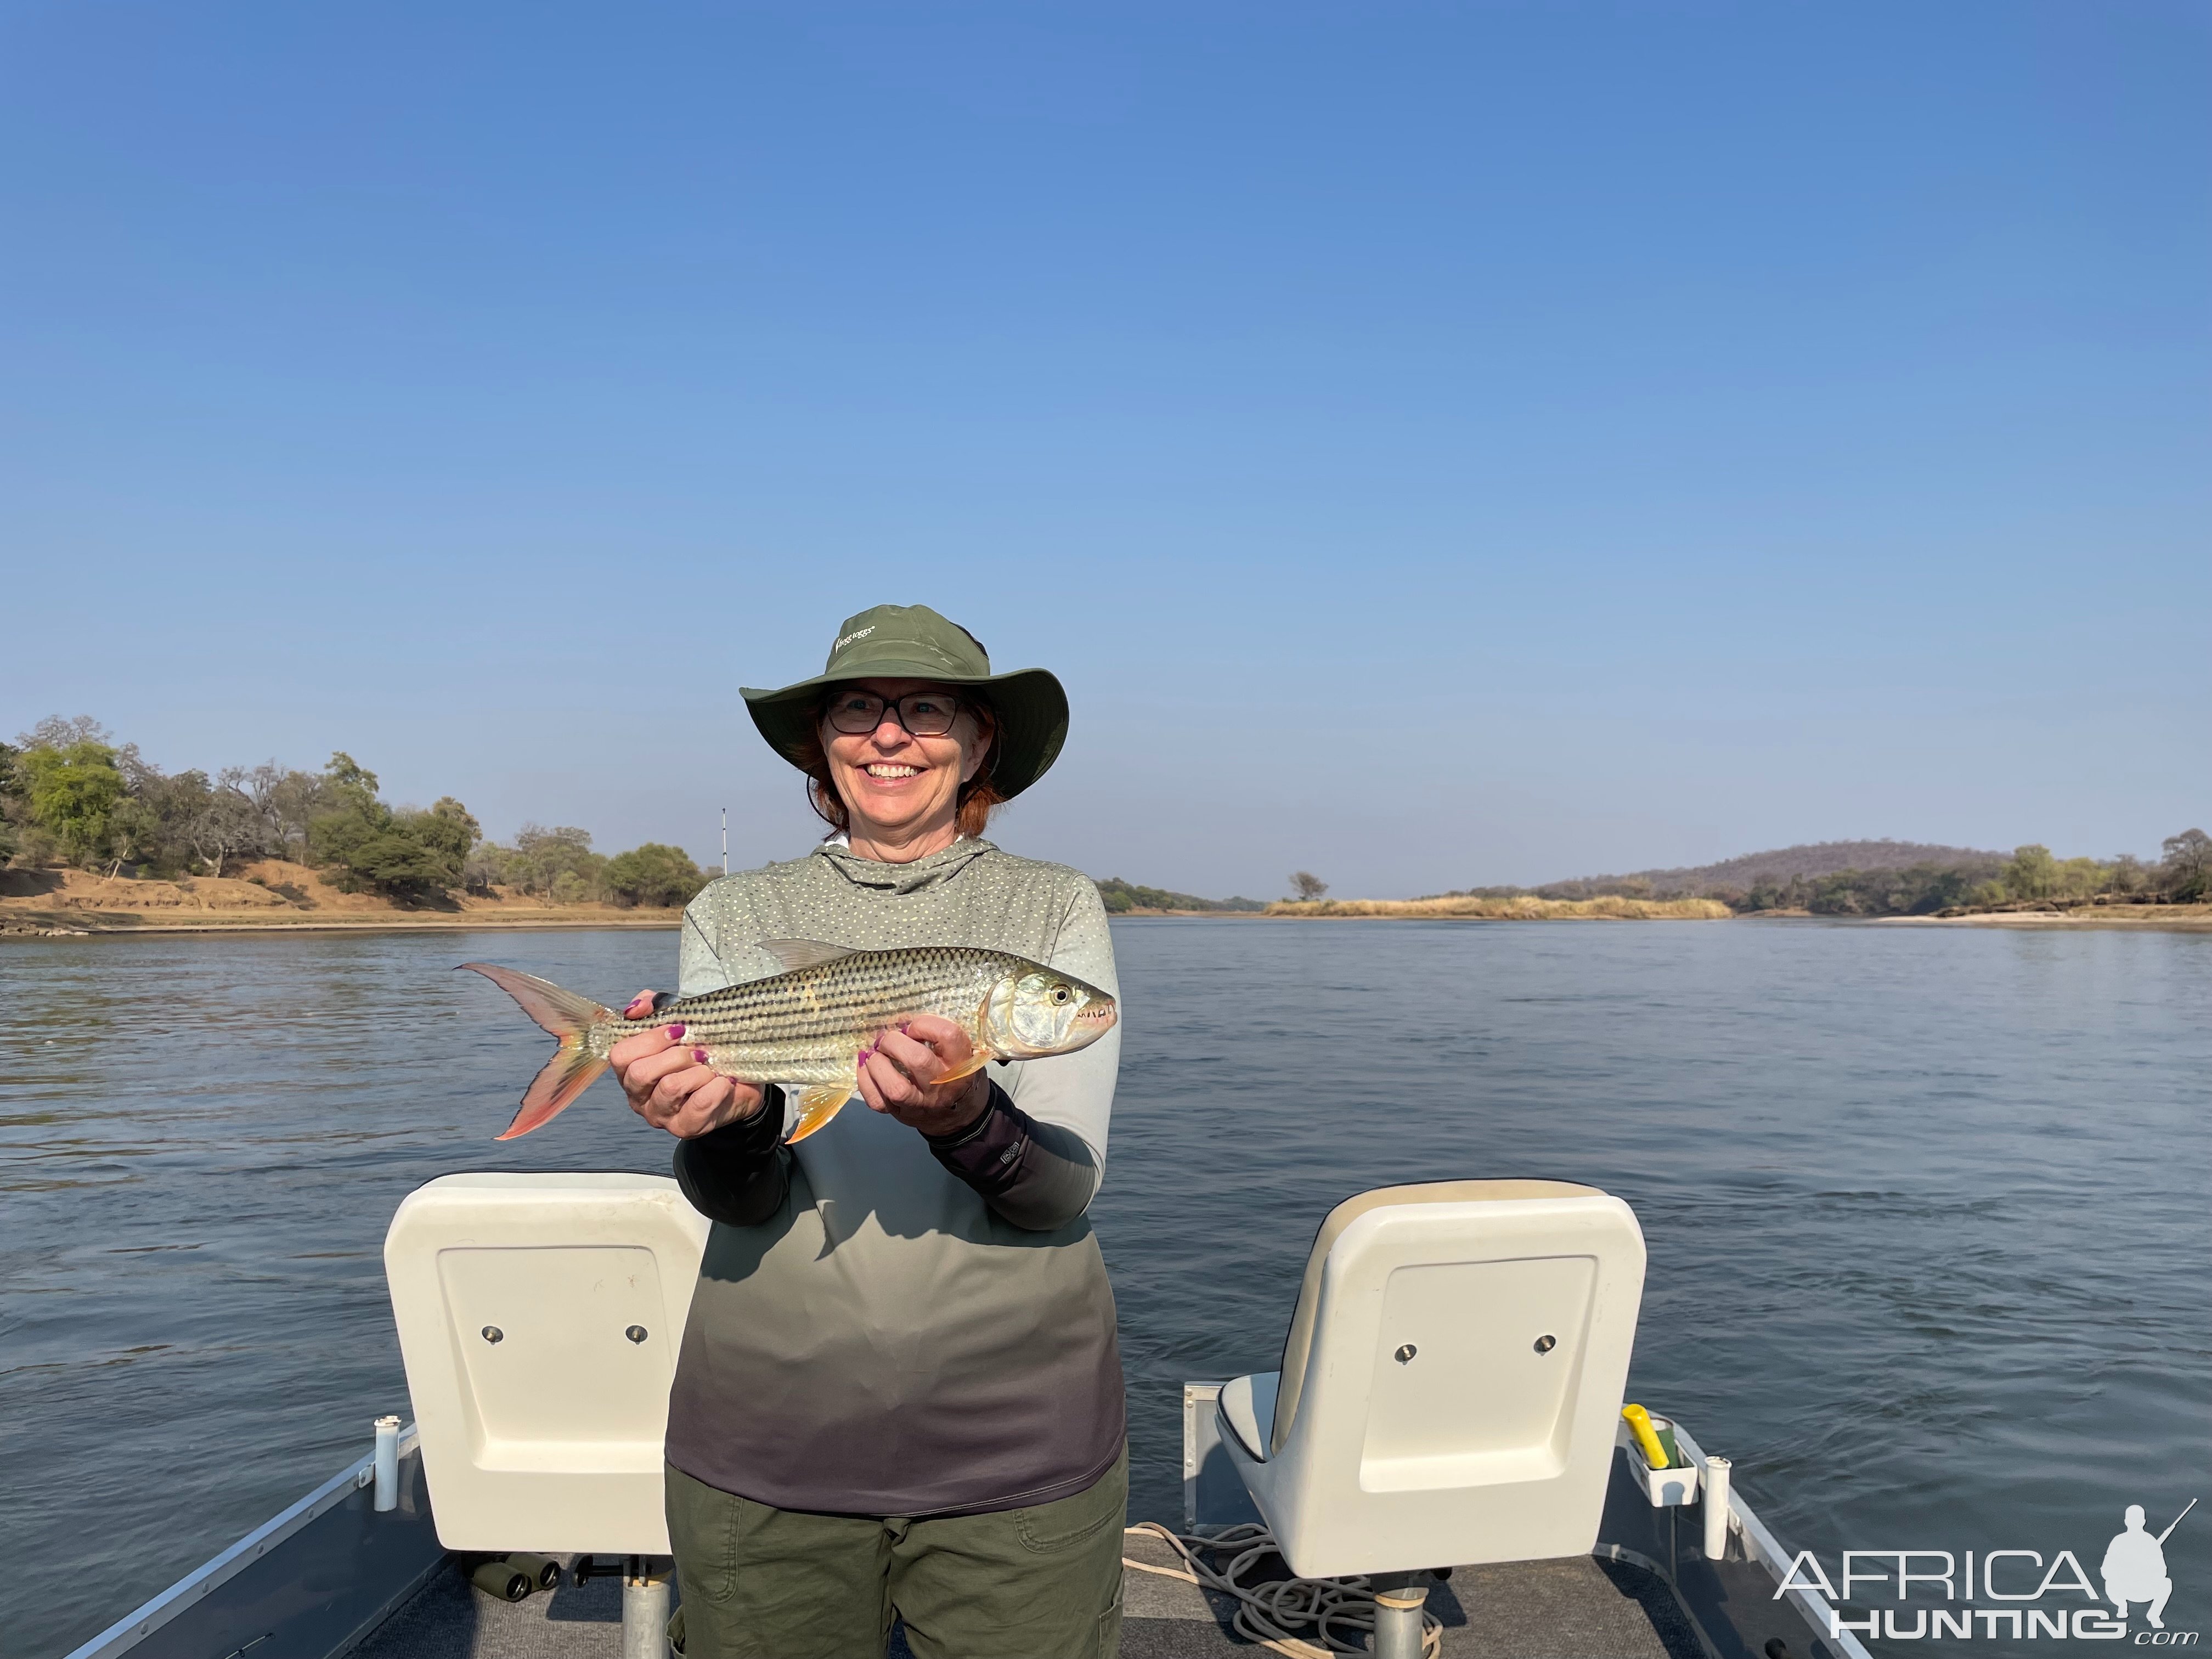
x,y
808,1024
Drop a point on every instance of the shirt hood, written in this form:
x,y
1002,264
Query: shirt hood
x,y
934,871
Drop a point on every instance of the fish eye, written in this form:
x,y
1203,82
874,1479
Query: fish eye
x,y
1059,993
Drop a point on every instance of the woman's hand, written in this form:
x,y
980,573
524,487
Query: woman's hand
x,y
669,1083
902,1076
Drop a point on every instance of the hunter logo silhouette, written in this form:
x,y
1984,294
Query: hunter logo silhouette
x,y
2135,1565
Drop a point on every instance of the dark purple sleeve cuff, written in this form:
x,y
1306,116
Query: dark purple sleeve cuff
x,y
1038,1176
740,1173
988,1153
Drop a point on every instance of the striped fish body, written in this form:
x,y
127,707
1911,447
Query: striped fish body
x,y
808,1026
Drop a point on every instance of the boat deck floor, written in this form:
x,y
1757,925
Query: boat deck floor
x,y
1578,1608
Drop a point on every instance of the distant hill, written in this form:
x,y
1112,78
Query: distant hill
x,y
1847,877
1783,865
1121,898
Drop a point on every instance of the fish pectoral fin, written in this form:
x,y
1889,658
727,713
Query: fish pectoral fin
x,y
816,1106
805,952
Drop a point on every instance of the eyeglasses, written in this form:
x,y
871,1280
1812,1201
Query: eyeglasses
x,y
925,714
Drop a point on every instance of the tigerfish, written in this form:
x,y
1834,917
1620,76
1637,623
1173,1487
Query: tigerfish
x,y
811,1026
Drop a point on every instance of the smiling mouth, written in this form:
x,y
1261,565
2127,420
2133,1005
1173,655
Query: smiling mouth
x,y
890,772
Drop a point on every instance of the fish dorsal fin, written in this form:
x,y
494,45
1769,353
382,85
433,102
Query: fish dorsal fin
x,y
805,952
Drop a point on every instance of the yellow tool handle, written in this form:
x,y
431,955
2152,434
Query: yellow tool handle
x,y
1647,1437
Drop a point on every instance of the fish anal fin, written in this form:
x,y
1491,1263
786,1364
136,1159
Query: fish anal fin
x,y
795,954
816,1106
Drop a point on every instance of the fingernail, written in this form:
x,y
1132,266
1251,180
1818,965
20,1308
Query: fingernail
x,y
866,1055
699,1055
676,1030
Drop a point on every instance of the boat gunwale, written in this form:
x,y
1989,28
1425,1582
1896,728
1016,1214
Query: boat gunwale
x,y
211,1575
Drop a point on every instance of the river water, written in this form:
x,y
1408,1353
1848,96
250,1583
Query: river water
x,y
1927,1209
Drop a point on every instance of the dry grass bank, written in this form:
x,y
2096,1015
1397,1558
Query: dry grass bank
x,y
1512,909
271,894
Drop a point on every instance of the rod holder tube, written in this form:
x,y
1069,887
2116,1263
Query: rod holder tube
x,y
1398,1622
645,1610
1717,1509
387,1463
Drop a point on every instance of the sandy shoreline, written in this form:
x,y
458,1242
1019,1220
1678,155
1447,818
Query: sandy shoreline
x,y
274,896
22,924
2163,918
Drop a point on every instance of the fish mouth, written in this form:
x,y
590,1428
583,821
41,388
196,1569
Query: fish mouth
x,y
1100,1014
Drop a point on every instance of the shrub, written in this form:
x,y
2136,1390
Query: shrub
x,y
653,874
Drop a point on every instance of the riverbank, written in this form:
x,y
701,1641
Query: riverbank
x,y
2127,918
272,895
1521,909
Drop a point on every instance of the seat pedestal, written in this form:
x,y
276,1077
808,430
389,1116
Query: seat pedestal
x,y
644,1609
1398,1599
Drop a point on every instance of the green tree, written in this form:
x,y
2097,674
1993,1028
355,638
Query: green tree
x,y
2033,874
2187,870
405,854
446,831
395,862
488,865
653,874
12,804
349,777
290,800
543,856
73,792
1120,896
2080,878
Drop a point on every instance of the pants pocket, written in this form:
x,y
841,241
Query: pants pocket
x,y
1071,1522
1109,1626
703,1532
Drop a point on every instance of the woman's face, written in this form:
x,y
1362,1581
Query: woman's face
x,y
893,782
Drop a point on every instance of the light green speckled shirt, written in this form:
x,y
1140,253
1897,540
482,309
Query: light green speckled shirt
x,y
909,1329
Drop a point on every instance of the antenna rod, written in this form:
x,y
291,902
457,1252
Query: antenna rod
x,y
2176,1521
725,870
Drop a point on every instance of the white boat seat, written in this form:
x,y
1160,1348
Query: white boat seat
x,y
539,1317
1451,1381
1246,1402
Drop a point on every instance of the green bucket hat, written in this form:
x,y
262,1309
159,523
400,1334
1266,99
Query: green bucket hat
x,y
913,642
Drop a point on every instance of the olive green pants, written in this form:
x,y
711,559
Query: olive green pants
x,y
758,1582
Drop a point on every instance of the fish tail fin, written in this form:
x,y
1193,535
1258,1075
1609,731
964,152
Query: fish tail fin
x,y
574,1068
567,1074
558,1011
816,1106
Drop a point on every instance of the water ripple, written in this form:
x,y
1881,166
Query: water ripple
x,y
1926,1211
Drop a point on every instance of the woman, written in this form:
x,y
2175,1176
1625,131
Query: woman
x,y
899,1389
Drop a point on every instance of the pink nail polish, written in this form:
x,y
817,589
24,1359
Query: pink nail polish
x,y
675,1032
699,1055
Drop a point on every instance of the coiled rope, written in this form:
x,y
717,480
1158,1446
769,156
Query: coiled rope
x,y
1340,1612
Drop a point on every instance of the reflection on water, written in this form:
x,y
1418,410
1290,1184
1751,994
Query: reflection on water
x,y
1926,1208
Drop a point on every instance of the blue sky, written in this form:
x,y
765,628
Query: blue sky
x,y
1436,445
